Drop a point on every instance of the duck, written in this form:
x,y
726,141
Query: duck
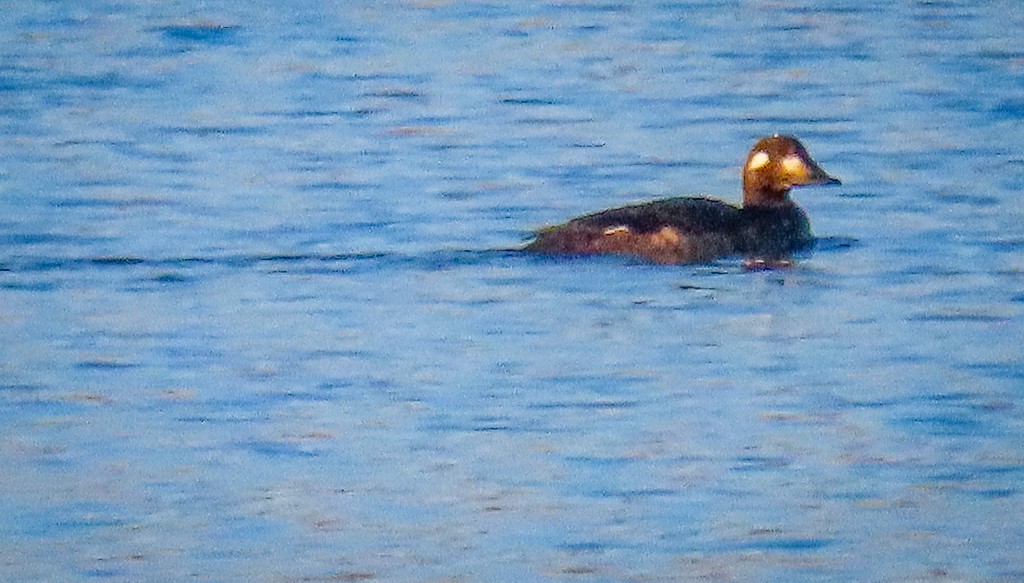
x,y
766,229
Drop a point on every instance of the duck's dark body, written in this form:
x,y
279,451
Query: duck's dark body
x,y
681,230
768,226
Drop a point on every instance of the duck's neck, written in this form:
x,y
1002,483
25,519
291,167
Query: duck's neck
x,y
760,190
765,197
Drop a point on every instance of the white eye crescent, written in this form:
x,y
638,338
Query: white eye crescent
x,y
758,160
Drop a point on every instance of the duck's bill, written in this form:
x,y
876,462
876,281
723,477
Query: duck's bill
x,y
815,175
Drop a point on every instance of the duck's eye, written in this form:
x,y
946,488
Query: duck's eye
x,y
793,164
758,160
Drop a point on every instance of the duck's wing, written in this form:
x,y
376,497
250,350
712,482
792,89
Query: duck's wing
x,y
675,230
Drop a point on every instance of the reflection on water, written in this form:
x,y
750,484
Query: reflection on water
x,y
263,317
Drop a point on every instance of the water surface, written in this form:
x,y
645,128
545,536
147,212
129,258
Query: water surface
x,y
261,317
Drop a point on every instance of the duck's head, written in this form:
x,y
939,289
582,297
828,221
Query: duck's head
x,y
776,164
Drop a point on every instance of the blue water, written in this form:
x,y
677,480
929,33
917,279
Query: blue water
x,y
261,317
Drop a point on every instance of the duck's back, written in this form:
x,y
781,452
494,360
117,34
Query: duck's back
x,y
674,230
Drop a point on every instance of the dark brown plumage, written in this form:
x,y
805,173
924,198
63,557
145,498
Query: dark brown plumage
x,y
768,226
